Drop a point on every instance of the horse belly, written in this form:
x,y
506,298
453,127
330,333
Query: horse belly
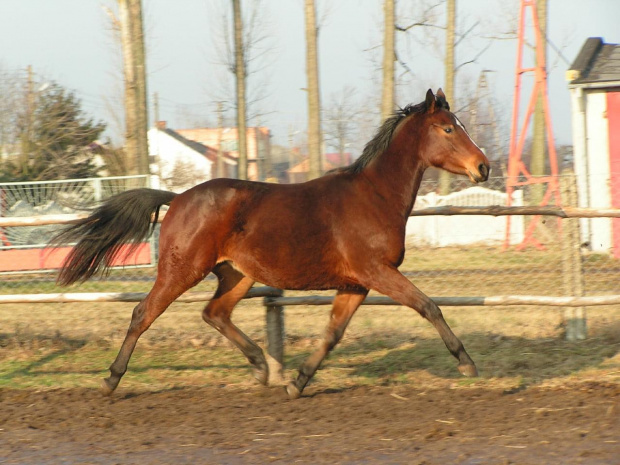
x,y
285,267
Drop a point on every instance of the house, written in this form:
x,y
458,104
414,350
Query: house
x,y
594,84
258,145
299,172
339,159
181,163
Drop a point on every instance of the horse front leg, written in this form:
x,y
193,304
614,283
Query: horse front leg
x,y
344,306
390,282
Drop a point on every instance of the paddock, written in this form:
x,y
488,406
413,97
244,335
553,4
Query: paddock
x,y
388,394
539,398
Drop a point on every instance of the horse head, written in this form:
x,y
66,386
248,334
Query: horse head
x,y
446,142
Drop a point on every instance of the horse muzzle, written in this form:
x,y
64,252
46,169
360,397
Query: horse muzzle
x,y
481,175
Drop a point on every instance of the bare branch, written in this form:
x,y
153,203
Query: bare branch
x,y
475,58
466,33
417,24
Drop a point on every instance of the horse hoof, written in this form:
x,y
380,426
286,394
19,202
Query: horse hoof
x,y
262,376
105,387
293,391
468,370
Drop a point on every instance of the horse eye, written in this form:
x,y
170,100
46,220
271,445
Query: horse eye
x,y
448,130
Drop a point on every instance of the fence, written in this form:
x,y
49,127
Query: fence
x,y
22,246
507,275
477,253
443,231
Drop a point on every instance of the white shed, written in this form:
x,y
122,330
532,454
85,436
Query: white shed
x,y
594,83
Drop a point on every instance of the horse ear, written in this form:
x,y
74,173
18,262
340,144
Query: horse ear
x,y
441,99
430,101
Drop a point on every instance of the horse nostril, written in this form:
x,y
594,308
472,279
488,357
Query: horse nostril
x,y
483,170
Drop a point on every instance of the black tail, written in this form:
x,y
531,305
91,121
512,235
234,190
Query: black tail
x,y
125,218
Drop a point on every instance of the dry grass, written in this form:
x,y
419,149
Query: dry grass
x,y
53,345
73,344
465,271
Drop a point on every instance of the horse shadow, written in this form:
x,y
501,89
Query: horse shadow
x,y
497,356
59,345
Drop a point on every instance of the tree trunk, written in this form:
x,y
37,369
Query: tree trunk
x,y
537,165
129,71
444,176
389,55
142,120
314,105
241,88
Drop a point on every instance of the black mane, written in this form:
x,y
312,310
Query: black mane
x,y
380,142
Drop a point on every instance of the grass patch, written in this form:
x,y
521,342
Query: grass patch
x,y
73,344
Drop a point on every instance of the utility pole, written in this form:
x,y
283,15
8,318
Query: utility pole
x,y
389,55
156,107
483,118
219,167
240,72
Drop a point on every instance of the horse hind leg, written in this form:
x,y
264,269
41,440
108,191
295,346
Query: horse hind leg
x,y
233,286
344,306
144,314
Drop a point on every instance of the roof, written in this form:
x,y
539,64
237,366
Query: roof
x,y
196,146
597,64
202,149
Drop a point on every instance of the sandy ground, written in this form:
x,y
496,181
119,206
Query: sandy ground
x,y
359,425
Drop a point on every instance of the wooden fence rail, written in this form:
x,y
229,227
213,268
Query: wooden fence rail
x,y
274,301
447,210
499,210
492,301
65,297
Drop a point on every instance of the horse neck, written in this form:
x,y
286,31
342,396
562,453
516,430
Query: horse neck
x,y
397,172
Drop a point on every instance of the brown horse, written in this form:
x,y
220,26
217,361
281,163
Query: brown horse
x,y
342,231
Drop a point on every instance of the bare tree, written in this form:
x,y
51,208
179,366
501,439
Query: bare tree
x,y
389,55
258,55
444,176
314,104
392,63
132,41
257,46
182,176
137,32
9,104
341,121
114,97
240,75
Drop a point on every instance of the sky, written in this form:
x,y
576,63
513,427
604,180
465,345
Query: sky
x,y
71,42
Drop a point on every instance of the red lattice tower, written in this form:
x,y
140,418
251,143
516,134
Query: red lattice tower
x,y
518,174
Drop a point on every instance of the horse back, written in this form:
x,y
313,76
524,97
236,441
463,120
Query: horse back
x,y
313,235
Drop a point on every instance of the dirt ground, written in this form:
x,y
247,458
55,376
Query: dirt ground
x,y
389,394
393,425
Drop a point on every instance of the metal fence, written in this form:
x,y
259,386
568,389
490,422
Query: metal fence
x,y
481,264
